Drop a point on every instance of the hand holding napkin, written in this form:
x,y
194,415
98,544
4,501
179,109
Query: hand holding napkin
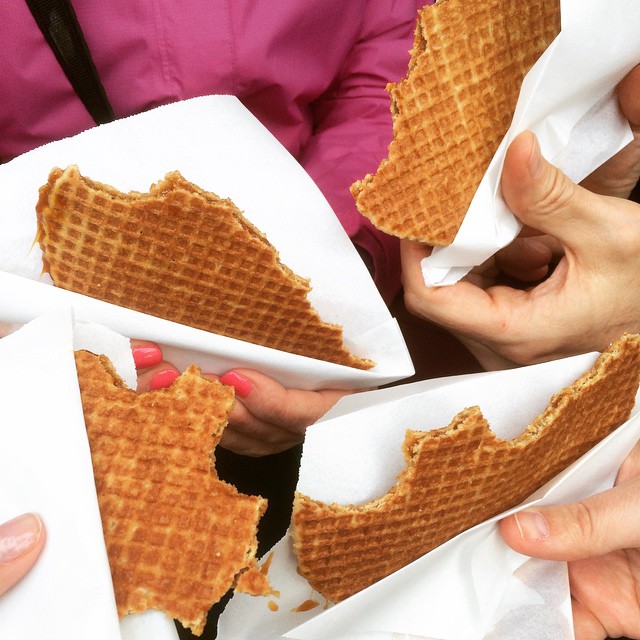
x,y
45,467
474,585
215,142
568,101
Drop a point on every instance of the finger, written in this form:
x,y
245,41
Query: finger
x,y
272,403
618,175
268,418
449,307
21,541
7,328
411,255
527,259
159,376
586,626
246,445
244,427
439,304
145,354
541,196
605,522
630,468
629,97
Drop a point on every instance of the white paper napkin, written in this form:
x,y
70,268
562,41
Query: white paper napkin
x,y
45,466
472,587
568,100
217,144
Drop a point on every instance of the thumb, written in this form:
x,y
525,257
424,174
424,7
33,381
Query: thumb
x,y
541,196
605,522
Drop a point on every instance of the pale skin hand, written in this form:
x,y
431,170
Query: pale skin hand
x,y
591,296
600,539
272,418
21,542
267,418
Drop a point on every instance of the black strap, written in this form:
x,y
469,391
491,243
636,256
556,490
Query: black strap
x,y
58,22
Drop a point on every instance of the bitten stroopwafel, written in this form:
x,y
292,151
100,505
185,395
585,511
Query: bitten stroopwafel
x,y
177,537
451,112
182,254
459,476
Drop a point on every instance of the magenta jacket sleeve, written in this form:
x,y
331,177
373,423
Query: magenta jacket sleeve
x,y
353,129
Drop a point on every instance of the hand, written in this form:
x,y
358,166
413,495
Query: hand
x,y
584,252
600,539
21,541
8,327
267,417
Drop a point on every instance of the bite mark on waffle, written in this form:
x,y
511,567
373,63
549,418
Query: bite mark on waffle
x,y
459,476
177,537
182,254
451,112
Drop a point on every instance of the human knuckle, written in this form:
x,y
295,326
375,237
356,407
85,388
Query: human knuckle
x,y
585,521
523,354
412,301
557,193
627,235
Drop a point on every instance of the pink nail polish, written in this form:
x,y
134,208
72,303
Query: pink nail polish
x,y
163,379
19,536
146,356
241,384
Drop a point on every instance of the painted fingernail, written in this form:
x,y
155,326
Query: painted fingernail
x,y
146,356
163,379
532,526
19,536
241,384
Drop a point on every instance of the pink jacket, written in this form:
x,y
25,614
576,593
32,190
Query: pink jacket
x,y
313,71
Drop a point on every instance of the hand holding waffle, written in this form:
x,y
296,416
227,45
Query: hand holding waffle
x,y
581,304
267,417
21,541
602,549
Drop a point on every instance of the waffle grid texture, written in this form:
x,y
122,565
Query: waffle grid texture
x,y
459,476
451,112
177,537
181,254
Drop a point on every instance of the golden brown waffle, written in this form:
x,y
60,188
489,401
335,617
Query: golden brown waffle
x,y
459,476
451,112
182,254
177,537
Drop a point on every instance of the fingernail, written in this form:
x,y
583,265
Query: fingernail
x,y
535,159
146,356
163,379
19,536
241,384
532,526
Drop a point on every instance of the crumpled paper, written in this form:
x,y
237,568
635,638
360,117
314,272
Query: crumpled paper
x,y
45,467
215,142
568,100
473,587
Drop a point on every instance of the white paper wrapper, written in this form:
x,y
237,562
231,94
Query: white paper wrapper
x,y
568,100
45,467
473,587
217,144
